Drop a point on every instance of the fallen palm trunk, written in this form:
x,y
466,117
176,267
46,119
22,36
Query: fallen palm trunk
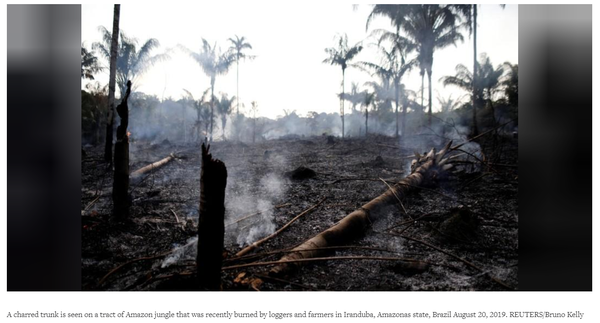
x,y
211,225
425,168
146,169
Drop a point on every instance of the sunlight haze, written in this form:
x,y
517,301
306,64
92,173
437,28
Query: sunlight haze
x,y
288,41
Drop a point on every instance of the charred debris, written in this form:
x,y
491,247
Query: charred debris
x,y
302,214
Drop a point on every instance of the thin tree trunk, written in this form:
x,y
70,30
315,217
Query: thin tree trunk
x,y
211,226
366,121
422,89
430,86
212,107
475,129
238,85
342,101
110,118
355,224
121,173
403,132
397,93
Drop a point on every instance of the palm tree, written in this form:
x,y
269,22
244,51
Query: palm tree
x,y
355,96
213,63
510,82
469,12
225,107
200,105
237,46
487,82
394,66
111,85
342,55
369,100
133,60
431,27
89,64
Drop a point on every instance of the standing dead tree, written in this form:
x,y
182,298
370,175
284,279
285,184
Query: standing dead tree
x,y
211,225
424,169
121,175
111,84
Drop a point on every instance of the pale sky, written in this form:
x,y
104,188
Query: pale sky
x,y
288,40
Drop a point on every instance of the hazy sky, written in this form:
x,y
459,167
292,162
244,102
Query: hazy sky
x,y
289,41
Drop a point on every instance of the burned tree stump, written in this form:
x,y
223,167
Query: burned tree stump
x,y
211,225
121,199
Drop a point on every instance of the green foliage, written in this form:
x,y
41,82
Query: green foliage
x,y
89,64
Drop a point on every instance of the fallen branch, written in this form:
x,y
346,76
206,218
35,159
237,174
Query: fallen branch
x,y
149,168
175,214
279,262
255,214
103,279
355,224
263,240
280,251
92,202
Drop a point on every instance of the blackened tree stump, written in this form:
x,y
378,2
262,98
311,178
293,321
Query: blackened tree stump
x,y
211,225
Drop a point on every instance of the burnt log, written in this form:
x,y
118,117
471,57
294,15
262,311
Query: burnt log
x,y
211,224
354,225
137,175
121,200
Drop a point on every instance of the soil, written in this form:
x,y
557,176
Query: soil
x,y
472,216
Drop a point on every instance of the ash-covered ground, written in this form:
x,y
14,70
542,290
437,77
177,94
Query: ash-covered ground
x,y
471,217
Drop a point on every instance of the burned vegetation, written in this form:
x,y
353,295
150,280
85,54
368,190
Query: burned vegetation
x,y
386,194
305,214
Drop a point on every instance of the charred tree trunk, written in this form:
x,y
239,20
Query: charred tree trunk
x,y
111,85
211,226
121,174
355,224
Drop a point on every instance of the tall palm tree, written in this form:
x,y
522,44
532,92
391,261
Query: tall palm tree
x,y
225,107
213,63
112,57
237,47
394,66
342,55
133,60
89,64
431,27
486,83
469,12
